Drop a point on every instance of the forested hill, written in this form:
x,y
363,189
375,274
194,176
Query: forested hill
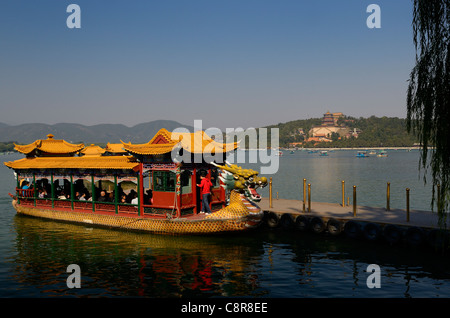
x,y
375,132
76,133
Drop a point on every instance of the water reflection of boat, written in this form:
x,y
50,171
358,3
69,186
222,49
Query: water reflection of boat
x,y
143,265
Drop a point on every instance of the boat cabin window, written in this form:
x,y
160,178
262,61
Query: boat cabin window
x,y
43,187
126,191
62,188
186,184
164,181
82,189
104,191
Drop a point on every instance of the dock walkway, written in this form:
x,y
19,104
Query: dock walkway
x,y
423,219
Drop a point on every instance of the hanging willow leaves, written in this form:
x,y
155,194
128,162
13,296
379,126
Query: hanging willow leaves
x,y
428,96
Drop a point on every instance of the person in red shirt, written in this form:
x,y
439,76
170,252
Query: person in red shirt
x,y
205,186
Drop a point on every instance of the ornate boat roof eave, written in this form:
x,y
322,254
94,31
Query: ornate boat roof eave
x,y
115,148
159,149
85,162
149,149
49,145
92,151
165,141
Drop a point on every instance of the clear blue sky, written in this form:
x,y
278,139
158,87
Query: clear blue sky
x,y
231,63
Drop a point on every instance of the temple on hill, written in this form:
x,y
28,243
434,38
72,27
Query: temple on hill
x,y
329,126
331,119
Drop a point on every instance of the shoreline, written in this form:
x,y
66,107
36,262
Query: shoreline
x,y
333,148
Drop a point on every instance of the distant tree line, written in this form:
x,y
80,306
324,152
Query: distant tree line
x,y
7,146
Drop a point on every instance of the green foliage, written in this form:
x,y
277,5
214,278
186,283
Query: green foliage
x,y
376,132
7,146
288,129
428,97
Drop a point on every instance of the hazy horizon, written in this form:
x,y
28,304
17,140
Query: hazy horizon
x,y
182,123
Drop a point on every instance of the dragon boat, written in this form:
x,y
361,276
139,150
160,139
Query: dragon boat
x,y
137,186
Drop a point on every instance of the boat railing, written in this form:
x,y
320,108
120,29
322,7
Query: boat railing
x,y
29,197
25,193
63,203
127,208
45,202
82,205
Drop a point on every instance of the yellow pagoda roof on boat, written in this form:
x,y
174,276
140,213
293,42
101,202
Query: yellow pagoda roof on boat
x,y
115,148
85,162
164,141
149,149
199,142
93,151
162,136
50,145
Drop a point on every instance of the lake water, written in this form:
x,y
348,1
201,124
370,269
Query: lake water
x,y
370,176
34,253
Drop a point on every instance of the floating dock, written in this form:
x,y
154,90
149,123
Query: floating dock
x,y
415,228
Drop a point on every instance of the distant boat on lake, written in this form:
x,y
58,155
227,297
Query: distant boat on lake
x,y
382,153
362,154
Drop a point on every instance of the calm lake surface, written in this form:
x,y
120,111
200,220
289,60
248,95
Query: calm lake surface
x,y
34,253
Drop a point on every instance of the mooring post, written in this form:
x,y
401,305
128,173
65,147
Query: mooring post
x,y
304,195
407,204
354,200
309,197
270,193
343,193
388,196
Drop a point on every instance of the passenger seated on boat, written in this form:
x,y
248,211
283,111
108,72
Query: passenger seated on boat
x,y
135,199
25,185
82,197
103,197
62,196
120,191
148,197
46,186
131,195
111,196
123,199
42,194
